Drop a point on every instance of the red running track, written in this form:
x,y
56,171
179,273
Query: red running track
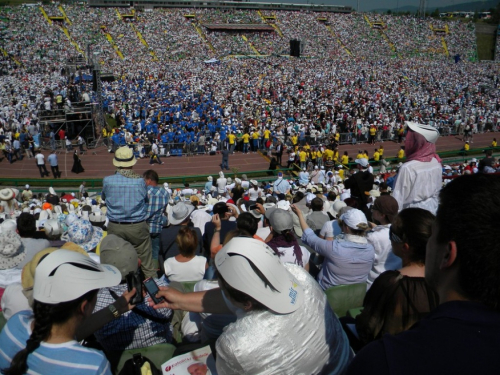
x,y
100,164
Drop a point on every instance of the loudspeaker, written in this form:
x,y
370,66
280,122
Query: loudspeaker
x,y
295,48
94,80
107,77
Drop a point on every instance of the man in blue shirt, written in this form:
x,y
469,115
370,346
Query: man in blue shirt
x,y
18,153
54,165
281,187
303,177
157,201
126,199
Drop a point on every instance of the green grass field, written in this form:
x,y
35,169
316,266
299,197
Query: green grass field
x,y
485,46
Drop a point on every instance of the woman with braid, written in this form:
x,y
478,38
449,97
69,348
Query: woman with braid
x,y
283,241
64,292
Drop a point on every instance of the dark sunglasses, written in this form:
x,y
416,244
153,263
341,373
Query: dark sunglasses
x,y
394,237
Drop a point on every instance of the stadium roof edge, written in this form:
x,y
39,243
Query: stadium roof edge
x,y
219,4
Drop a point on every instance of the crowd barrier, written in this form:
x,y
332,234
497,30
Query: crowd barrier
x,y
174,181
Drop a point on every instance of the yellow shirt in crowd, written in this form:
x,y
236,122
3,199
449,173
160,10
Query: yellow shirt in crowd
x,y
246,138
302,156
335,155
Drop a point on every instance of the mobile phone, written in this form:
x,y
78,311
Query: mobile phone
x,y
134,281
152,290
252,207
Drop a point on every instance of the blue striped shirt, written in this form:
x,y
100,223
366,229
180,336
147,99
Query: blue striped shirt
x,y
67,358
157,200
126,198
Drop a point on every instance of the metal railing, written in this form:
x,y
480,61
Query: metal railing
x,y
175,181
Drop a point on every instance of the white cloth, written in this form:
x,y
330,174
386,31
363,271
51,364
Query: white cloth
x,y
261,342
385,260
221,185
418,185
8,206
10,276
40,159
330,229
187,191
199,218
193,270
254,194
13,300
289,255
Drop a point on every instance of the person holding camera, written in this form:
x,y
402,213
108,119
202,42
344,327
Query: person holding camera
x,y
140,327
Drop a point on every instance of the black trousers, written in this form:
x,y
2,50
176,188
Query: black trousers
x,y
43,170
278,157
55,171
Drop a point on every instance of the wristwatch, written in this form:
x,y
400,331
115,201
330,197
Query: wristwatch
x,y
216,230
114,311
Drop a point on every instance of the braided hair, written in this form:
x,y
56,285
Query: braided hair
x,y
46,316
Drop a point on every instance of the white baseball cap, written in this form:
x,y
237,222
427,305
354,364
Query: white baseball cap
x,y
65,275
363,162
353,218
275,288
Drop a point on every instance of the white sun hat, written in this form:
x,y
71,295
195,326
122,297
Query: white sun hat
x,y
65,275
275,288
430,133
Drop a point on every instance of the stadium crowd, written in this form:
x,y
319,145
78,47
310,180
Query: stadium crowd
x,y
240,262
166,88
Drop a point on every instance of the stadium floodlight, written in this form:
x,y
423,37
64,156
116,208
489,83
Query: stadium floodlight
x,y
422,7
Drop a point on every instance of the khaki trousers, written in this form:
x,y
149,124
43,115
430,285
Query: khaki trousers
x,y
138,236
